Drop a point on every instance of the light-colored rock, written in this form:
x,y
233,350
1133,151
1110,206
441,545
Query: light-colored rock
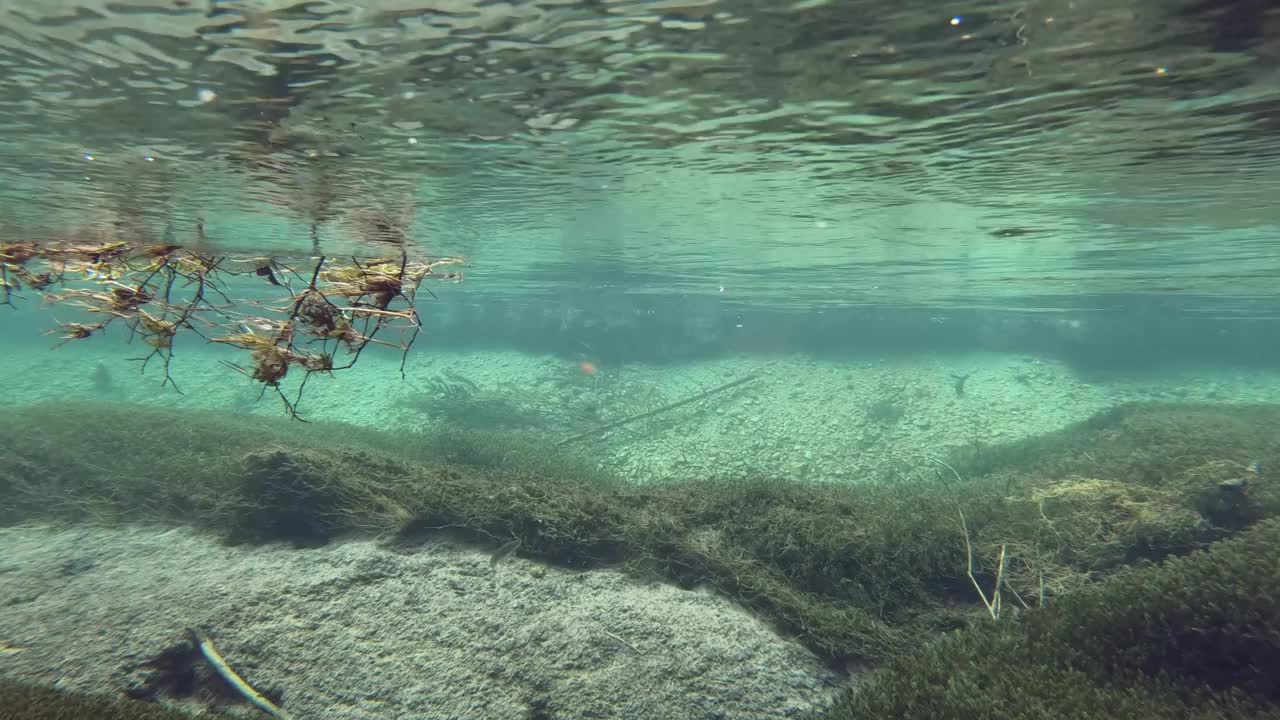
x,y
357,630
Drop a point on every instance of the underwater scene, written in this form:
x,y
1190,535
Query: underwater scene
x,y
640,359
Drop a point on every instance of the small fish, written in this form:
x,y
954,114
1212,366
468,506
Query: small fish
x,y
1255,467
1013,232
505,551
249,329
586,367
266,272
7,649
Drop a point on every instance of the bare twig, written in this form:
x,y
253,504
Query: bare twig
x,y
656,411
634,649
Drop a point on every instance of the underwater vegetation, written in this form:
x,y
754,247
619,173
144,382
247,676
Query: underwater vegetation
x,y
18,700
1107,559
1196,637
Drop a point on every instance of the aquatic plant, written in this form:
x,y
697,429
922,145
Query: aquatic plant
x,y
1148,443
1194,637
855,572
1064,532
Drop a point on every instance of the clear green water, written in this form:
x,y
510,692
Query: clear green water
x,y
808,152
935,241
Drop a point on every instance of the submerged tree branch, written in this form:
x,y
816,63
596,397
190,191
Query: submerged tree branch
x,y
657,411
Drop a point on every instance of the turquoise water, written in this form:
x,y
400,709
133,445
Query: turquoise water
x,y
768,291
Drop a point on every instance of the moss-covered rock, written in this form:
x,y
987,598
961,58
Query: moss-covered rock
x,y
1194,637
855,572
1211,617
1147,444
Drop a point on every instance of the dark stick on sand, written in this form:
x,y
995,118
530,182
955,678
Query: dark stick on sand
x,y
656,411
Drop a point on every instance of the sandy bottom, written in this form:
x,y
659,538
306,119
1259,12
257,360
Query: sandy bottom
x,y
360,630
801,418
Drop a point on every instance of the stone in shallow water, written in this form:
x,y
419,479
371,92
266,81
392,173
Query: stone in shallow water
x,y
355,630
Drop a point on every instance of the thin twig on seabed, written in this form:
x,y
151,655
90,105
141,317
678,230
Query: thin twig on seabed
x,y
634,649
655,411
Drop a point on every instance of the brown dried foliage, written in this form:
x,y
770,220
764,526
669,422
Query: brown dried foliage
x,y
161,291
